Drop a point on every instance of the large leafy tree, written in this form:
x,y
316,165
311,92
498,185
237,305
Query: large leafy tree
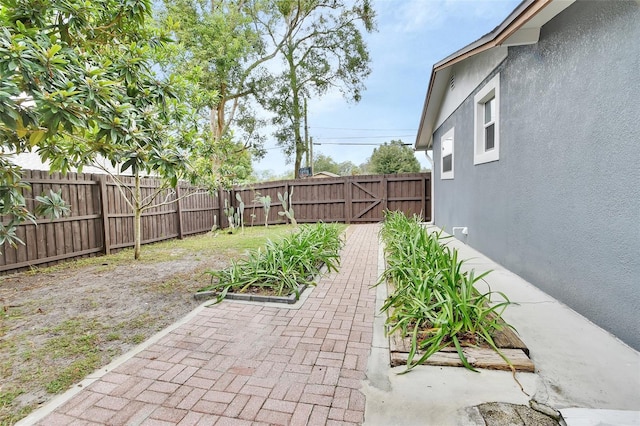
x,y
222,51
325,163
323,49
77,83
393,157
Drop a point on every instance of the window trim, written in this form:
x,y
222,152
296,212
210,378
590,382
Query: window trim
x,y
491,90
449,135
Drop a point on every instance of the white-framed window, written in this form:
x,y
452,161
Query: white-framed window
x,y
446,155
486,146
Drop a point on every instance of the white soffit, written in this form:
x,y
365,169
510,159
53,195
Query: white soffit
x,y
526,33
529,33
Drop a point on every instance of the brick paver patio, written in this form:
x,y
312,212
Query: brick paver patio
x,y
247,364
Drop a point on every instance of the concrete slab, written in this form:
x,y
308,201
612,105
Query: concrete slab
x,y
431,395
578,364
589,417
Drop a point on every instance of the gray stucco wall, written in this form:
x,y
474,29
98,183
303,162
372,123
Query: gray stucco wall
x,y
561,207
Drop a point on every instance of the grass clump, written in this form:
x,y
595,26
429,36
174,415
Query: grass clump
x,y
282,266
433,301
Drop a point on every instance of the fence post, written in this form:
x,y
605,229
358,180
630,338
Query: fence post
x,y
104,204
384,183
347,198
221,208
179,211
286,189
427,197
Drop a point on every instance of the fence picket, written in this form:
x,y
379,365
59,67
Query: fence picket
x,y
101,220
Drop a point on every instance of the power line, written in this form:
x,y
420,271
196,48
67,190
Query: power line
x,y
363,137
362,130
355,143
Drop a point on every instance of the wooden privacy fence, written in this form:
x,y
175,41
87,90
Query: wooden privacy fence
x,y
101,220
348,199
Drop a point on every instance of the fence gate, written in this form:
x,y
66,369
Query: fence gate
x,y
369,196
366,199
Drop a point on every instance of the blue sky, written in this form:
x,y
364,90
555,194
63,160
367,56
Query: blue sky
x,y
412,36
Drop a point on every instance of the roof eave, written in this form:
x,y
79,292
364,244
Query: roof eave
x,y
525,11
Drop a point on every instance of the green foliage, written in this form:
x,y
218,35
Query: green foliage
x,y
230,213
235,216
347,168
394,157
265,200
324,163
240,210
223,163
324,50
52,206
432,300
77,85
13,203
221,53
283,265
287,206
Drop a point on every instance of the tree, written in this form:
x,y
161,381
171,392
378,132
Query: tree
x,y
222,51
77,82
324,163
323,49
394,157
347,168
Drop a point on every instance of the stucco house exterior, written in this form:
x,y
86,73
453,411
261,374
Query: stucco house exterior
x,y
535,132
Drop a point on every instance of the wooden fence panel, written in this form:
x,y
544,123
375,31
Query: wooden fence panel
x,y
349,199
55,240
157,223
407,194
319,199
101,220
249,194
199,212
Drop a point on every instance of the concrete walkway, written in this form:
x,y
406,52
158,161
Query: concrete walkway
x,y
242,364
317,362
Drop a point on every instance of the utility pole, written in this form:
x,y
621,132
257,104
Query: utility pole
x,y
311,154
306,132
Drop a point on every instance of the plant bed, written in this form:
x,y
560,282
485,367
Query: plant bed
x,y
435,313
480,356
282,270
253,295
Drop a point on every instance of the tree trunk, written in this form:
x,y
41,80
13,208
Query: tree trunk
x,y
137,219
296,112
299,152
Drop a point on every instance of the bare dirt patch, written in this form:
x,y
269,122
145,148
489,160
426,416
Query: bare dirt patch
x,y
56,326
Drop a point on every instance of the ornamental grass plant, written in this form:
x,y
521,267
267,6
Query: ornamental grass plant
x,y
282,267
432,300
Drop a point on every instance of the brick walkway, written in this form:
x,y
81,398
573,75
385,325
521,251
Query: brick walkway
x,y
242,364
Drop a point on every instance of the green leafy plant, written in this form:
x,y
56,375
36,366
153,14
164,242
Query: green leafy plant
x,y
265,200
282,266
433,301
240,212
52,206
287,206
230,212
253,208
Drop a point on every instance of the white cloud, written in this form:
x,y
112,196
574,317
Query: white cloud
x,y
416,15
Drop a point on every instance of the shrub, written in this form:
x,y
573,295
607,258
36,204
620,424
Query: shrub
x,y
284,265
433,300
